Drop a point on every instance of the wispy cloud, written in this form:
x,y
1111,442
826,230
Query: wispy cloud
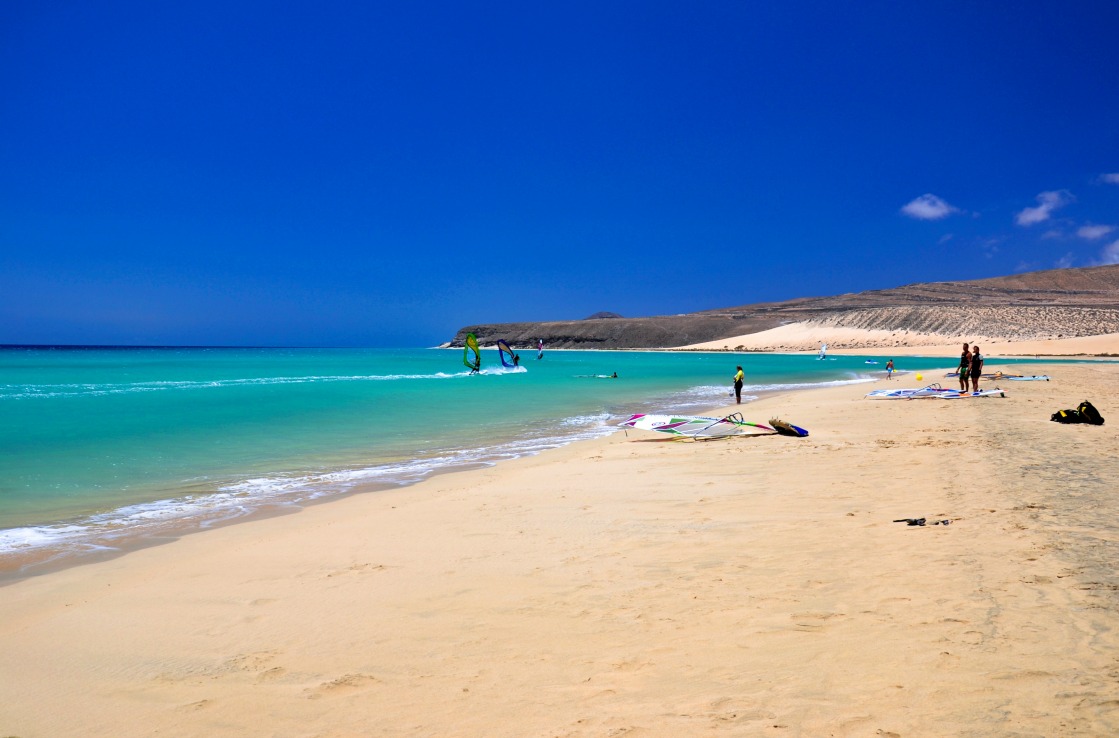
x,y
929,207
1047,203
1110,253
1065,261
1110,178
1093,232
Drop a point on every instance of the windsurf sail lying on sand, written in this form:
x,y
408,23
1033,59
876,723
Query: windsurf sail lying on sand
x,y
980,393
933,390
1000,375
693,426
471,356
506,354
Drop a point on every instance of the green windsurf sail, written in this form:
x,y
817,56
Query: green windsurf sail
x,y
471,356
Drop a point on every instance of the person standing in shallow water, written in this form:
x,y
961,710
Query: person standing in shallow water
x,y
738,377
976,368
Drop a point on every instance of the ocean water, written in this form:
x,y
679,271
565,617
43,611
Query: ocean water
x,y
104,446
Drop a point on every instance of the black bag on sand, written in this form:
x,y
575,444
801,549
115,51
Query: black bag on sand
x,y
1085,412
1089,414
1065,416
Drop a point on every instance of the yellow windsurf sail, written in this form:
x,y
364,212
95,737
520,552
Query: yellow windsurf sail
x,y
471,356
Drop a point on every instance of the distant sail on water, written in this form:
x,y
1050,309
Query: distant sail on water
x,y
471,356
540,349
506,355
823,351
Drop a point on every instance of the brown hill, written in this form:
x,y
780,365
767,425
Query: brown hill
x,y
1046,304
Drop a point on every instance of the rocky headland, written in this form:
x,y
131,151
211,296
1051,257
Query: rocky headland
x,y
1050,305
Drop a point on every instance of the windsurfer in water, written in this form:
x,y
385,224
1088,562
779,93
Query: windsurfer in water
x,y
516,359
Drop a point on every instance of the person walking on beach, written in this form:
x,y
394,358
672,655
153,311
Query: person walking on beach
x,y
890,369
964,368
738,377
976,368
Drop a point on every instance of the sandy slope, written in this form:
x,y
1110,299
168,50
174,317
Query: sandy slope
x,y
808,336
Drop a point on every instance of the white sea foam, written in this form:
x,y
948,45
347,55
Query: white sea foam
x,y
43,391
239,498
243,497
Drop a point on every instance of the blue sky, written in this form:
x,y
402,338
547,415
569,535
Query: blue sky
x,y
381,174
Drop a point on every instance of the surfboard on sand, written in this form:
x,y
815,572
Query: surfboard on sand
x,y
787,429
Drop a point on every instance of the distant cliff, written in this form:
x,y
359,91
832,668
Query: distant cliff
x,y
1068,302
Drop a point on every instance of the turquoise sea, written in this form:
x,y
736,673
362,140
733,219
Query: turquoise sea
x,y
104,447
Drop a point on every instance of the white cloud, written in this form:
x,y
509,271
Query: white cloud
x,y
1047,203
1110,253
929,207
1065,261
1110,178
1092,232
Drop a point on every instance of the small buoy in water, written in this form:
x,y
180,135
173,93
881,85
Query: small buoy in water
x,y
919,377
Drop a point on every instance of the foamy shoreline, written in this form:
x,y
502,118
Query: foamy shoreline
x,y
630,584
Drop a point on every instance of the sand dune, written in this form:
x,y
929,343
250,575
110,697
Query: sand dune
x,y
807,337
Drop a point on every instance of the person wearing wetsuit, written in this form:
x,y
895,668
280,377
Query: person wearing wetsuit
x,y
976,368
738,377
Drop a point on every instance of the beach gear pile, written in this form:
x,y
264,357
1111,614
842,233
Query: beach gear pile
x,y
1085,412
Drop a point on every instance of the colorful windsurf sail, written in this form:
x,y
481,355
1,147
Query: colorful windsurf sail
x,y
506,354
692,426
470,354
540,349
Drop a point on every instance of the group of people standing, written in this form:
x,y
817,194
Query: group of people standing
x,y
971,365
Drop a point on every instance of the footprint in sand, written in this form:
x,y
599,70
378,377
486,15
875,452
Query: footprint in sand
x,y
357,569
343,685
255,661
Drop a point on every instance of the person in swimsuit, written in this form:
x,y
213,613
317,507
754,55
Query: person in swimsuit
x,y
964,368
738,377
890,369
976,368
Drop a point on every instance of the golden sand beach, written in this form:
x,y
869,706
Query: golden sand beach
x,y
633,585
